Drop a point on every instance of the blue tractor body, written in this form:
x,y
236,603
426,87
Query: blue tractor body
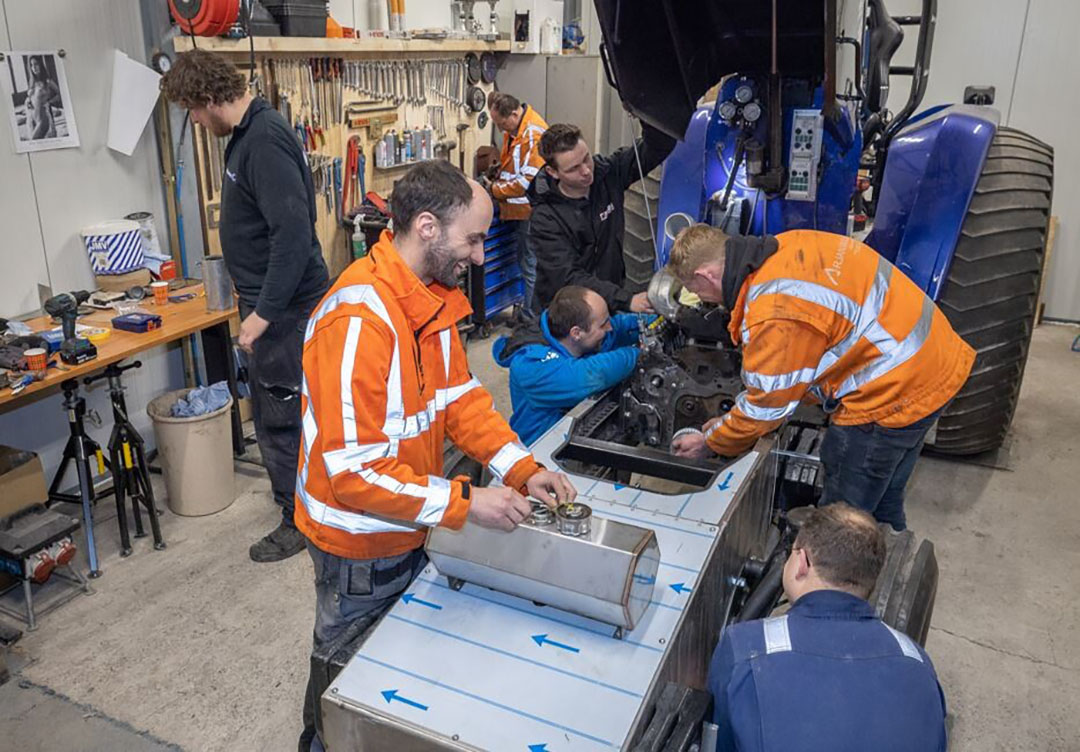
x,y
700,166
800,130
933,166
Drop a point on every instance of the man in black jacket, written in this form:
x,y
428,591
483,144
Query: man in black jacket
x,y
268,239
578,220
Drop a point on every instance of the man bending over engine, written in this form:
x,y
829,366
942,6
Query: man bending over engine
x,y
824,317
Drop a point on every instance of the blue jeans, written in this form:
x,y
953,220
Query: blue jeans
x,y
351,596
868,466
527,261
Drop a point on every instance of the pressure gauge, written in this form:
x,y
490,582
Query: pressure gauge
x,y
728,110
161,62
744,94
751,112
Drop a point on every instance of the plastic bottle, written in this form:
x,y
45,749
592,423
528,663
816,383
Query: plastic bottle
x,y
359,241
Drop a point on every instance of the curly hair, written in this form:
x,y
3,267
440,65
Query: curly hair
x,y
199,78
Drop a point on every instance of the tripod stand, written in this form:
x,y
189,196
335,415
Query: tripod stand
x,y
127,457
79,449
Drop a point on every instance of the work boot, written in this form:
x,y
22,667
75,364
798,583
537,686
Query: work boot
x,y
282,543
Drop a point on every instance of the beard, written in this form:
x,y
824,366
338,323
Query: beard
x,y
442,265
218,126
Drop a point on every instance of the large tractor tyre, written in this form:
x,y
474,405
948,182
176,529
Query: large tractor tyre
x,y
907,585
992,288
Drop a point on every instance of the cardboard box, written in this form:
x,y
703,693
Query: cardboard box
x,y
22,480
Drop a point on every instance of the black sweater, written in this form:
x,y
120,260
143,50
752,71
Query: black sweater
x,y
580,241
268,216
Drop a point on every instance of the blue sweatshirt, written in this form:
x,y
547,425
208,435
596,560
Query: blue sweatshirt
x,y
546,380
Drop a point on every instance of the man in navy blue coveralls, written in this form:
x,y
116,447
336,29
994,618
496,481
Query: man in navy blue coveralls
x,y
573,351
828,676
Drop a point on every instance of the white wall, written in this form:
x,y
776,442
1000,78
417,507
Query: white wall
x,y
1028,50
45,198
1046,103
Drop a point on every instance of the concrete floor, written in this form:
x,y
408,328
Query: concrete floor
x,y
197,648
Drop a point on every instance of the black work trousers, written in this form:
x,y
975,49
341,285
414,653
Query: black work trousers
x,y
275,373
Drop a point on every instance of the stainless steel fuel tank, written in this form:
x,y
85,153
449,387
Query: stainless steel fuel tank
x,y
566,558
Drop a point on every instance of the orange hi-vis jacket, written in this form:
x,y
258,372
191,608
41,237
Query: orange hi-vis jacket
x,y
385,381
520,161
828,318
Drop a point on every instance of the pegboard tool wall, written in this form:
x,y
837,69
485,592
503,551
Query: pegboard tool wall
x,y
282,66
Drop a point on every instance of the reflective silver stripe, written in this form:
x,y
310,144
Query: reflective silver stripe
x,y
529,171
506,458
455,393
444,341
808,291
436,494
764,413
776,382
366,295
867,317
436,502
353,458
311,427
716,427
892,356
517,200
777,637
348,361
907,645
351,522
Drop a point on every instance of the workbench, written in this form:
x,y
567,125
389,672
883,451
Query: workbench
x,y
177,321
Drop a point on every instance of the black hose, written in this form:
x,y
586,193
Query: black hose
x,y
766,593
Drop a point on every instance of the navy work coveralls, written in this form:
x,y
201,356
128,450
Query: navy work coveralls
x,y
828,676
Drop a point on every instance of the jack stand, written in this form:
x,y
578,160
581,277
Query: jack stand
x,y
127,456
79,448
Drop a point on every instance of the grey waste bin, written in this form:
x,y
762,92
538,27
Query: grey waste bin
x,y
196,456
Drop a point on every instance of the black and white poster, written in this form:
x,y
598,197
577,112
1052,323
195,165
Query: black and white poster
x,y
38,101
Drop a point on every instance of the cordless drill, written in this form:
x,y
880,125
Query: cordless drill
x,y
65,306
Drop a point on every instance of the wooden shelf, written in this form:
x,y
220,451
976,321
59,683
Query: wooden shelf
x,y
324,46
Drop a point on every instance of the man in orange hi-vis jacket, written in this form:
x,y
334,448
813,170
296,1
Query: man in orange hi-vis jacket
x,y
823,316
385,382
519,161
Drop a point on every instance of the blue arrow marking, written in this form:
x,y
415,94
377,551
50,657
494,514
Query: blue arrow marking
x,y
725,484
618,487
538,748
680,588
542,639
644,580
410,598
392,694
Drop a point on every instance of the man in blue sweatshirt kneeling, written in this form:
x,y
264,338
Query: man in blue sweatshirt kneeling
x,y
573,351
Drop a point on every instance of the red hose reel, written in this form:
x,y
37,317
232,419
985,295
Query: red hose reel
x,y
205,18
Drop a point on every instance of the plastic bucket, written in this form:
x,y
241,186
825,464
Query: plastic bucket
x,y
196,456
